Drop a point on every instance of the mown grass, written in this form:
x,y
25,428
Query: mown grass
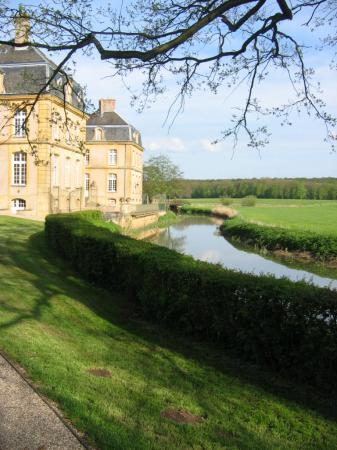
x,y
57,327
319,216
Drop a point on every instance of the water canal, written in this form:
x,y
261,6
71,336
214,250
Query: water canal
x,y
200,238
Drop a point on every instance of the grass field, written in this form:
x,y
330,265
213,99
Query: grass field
x,y
58,327
319,216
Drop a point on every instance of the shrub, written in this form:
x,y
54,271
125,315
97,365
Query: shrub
x,y
275,238
249,200
289,327
226,201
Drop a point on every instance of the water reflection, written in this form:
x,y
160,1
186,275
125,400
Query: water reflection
x,y
199,237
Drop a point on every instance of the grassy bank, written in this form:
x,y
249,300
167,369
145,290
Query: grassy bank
x,y
318,216
58,327
322,247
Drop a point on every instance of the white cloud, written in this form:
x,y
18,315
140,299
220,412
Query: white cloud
x,y
166,145
208,146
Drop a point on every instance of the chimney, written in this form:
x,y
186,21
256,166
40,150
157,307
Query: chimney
x,y
106,105
22,26
2,83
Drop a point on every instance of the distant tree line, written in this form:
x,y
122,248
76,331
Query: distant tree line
x,y
294,188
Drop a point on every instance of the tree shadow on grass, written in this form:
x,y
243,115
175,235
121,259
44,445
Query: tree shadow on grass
x,y
52,276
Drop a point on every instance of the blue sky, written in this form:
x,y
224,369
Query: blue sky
x,y
298,150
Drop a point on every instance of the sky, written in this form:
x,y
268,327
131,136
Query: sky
x,y
295,151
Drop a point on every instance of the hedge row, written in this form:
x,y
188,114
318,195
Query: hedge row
x,y
187,209
322,247
288,327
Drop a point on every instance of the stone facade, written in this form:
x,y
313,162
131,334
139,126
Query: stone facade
x,y
53,156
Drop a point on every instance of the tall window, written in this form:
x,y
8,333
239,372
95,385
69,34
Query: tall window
x,y
77,173
112,157
112,182
55,127
19,123
67,173
87,157
56,178
86,184
20,169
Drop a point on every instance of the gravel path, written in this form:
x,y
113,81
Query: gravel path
x,y
26,421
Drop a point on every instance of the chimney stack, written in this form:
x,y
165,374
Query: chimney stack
x,y
106,105
22,27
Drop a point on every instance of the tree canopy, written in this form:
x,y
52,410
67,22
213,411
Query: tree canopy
x,y
161,176
204,44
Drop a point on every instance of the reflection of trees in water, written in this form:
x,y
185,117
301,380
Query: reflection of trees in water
x,y
174,243
199,220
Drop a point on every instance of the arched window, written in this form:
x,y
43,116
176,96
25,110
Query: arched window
x,y
20,123
19,174
112,157
18,204
112,182
98,134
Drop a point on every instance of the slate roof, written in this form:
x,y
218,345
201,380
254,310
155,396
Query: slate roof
x,y
27,71
114,127
108,118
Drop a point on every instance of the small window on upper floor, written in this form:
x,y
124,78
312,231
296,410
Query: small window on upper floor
x,y
112,157
20,123
87,157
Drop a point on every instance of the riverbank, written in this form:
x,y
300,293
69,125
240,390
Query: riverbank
x,y
303,230
153,229
303,245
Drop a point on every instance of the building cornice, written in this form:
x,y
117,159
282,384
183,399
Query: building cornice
x,y
50,97
96,143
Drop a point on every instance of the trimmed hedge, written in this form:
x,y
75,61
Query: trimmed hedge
x,y
286,326
187,209
322,247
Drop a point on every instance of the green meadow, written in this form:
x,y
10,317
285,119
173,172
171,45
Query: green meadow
x,y
64,331
319,216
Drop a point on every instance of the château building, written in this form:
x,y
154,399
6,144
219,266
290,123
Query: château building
x,y
54,157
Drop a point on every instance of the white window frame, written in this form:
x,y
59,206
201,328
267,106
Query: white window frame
x,y
67,177
87,157
77,173
19,168
86,184
98,134
55,128
112,182
56,171
19,123
18,204
112,157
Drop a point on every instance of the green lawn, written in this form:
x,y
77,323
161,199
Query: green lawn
x,y
319,216
58,327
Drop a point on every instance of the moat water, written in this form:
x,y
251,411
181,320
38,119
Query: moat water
x,y
200,238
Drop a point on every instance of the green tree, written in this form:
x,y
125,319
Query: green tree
x,y
162,176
